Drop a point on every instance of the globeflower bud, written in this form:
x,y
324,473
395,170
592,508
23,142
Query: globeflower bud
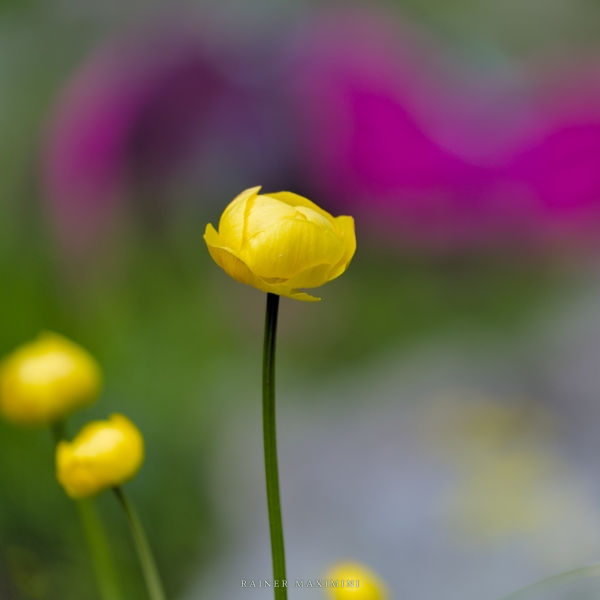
x,y
281,242
355,582
47,379
104,454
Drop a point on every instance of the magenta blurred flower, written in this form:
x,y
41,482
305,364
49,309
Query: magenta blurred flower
x,y
154,110
444,158
374,116
558,166
369,106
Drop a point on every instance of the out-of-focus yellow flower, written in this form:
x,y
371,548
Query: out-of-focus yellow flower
x,y
45,380
281,242
353,581
104,454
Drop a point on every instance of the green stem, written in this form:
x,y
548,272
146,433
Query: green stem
x,y
145,556
99,549
97,541
270,445
533,590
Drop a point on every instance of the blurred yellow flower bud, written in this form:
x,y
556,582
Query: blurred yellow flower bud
x,y
104,454
281,242
45,380
353,581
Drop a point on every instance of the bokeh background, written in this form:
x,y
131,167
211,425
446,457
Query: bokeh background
x,y
439,410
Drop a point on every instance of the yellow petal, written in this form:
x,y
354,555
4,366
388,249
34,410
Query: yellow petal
x,y
227,260
296,200
237,269
261,213
290,246
346,226
298,295
310,278
231,225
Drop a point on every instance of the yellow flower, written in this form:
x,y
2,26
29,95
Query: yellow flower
x,y
104,454
45,380
281,242
353,581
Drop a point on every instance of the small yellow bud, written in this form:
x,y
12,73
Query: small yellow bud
x,y
46,380
281,242
354,581
104,454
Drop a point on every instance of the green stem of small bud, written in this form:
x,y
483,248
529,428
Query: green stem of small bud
x,y
151,576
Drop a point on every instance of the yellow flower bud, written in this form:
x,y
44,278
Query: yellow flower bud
x,y
47,379
355,582
281,242
104,454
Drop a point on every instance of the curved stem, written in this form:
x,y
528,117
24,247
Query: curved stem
x,y
270,446
555,581
95,535
144,552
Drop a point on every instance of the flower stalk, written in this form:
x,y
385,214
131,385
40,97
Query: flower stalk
x,y
144,552
100,552
270,447
279,243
